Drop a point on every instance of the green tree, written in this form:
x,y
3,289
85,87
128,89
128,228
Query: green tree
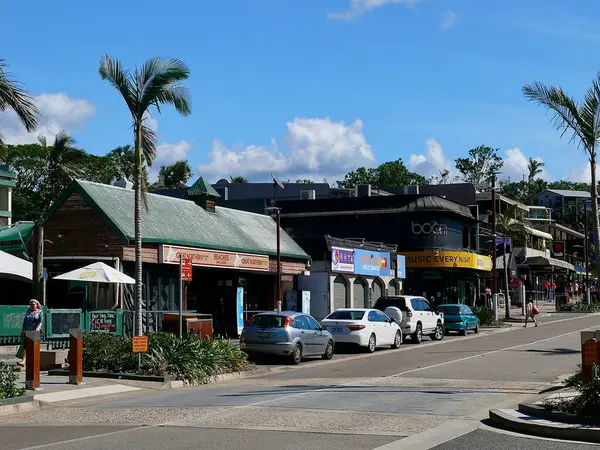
x,y
510,226
483,162
156,83
388,174
524,191
535,167
581,120
64,163
445,177
123,160
14,98
237,180
174,176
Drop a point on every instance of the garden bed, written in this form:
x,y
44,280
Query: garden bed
x,y
581,405
9,376
189,359
580,307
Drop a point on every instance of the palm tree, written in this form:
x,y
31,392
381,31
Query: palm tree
x,y
582,120
157,82
535,168
238,180
511,228
63,162
14,98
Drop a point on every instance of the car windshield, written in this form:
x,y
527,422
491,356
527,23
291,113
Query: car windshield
x,y
267,321
450,309
346,315
386,302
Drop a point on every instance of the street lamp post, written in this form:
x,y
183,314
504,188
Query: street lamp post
x,y
274,210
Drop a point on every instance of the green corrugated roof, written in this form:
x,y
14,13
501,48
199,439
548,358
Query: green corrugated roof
x,y
182,222
201,187
10,239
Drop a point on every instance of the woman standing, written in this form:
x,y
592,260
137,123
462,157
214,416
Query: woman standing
x,y
32,322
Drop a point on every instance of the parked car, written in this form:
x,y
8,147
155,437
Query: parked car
x,y
367,328
418,316
459,318
290,334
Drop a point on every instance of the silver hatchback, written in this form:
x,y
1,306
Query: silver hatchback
x,y
290,334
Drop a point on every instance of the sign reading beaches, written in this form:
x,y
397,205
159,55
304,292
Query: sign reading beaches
x,y
464,260
169,254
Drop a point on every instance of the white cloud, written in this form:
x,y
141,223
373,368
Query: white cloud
x,y
314,147
516,166
57,112
357,8
432,162
167,154
448,20
583,175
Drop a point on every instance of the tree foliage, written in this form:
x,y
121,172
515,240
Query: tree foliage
x,y
388,174
480,166
174,176
14,98
238,180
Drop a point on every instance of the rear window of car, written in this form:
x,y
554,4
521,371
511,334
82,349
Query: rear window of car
x,y
451,310
267,321
346,315
386,302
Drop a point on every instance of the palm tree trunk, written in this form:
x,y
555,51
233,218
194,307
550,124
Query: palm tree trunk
x,y
506,299
595,219
138,230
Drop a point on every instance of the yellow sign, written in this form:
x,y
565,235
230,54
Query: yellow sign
x,y
140,344
461,260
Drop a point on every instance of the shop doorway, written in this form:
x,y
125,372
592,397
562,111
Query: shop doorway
x,y
377,290
361,300
339,292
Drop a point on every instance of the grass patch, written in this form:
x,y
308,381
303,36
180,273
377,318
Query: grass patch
x,y
8,382
189,359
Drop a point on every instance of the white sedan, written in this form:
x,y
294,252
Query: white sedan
x,y
367,328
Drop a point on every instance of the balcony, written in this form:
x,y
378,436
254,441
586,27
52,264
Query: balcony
x,y
525,252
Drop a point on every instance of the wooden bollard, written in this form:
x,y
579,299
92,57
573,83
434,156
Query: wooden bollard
x,y
589,357
32,360
75,356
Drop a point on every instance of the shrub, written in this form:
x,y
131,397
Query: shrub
x,y
586,404
580,307
486,317
189,359
8,382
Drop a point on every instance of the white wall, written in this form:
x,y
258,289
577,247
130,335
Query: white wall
x,y
318,285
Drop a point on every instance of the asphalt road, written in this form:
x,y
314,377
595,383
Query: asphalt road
x,y
353,402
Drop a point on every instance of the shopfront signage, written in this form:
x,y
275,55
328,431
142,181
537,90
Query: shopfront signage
x,y
170,254
558,249
434,228
401,266
342,260
375,264
186,269
139,344
448,259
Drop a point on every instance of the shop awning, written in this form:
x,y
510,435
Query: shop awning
x,y
15,268
538,233
543,261
16,237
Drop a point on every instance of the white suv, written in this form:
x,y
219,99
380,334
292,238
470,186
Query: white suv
x,y
418,316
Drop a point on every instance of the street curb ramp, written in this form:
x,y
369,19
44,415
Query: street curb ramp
x,y
516,422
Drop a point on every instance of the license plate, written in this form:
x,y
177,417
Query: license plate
x,y
337,329
263,334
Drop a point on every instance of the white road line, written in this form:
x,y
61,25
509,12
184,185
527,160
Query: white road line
x,y
466,358
84,438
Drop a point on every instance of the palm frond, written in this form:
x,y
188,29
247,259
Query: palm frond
x,y
157,82
179,97
112,71
148,142
591,110
13,97
566,110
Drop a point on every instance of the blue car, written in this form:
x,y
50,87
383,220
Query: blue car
x,y
459,318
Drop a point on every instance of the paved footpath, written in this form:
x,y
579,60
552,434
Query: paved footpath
x,y
432,395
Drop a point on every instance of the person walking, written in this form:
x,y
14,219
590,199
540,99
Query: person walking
x,y
32,322
531,311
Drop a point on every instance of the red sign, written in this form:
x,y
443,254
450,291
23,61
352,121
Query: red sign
x,y
186,269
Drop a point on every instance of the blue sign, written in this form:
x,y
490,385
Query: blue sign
x,y
376,264
240,309
401,266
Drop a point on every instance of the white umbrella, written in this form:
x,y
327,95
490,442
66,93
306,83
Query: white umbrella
x,y
96,273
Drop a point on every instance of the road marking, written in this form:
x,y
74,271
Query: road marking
x,y
404,348
466,358
84,438
74,394
431,438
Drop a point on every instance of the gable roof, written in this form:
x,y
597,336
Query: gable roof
x,y
181,222
566,193
201,187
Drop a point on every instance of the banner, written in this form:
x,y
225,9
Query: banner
x,y
401,266
342,260
169,254
375,264
449,259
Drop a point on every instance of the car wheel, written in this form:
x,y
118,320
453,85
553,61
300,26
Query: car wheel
x,y
372,345
397,339
477,328
465,330
439,332
328,351
417,336
297,355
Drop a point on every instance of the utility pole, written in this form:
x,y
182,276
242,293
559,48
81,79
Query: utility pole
x,y
494,273
278,212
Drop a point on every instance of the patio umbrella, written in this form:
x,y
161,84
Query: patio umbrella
x,y
96,273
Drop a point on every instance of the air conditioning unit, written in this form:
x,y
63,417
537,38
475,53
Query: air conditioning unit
x,y
308,194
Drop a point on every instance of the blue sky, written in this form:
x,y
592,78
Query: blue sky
x,y
313,87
